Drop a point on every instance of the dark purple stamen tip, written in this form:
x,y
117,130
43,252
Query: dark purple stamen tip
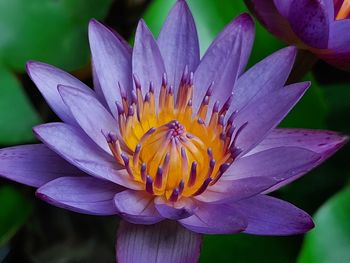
x,y
189,104
110,137
200,121
143,171
125,159
210,90
164,80
149,185
221,120
190,79
137,148
147,97
193,174
137,81
174,195
159,177
131,111
210,152
171,90
222,136
216,106
212,163
133,97
181,186
203,186
232,117
151,87
120,108
205,100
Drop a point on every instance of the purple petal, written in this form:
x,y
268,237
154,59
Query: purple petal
x,y
215,219
147,62
223,61
264,113
47,78
338,49
90,114
78,149
237,189
325,143
267,13
85,195
137,207
283,163
310,22
270,216
178,43
97,86
164,242
279,162
175,210
263,78
283,6
33,165
112,61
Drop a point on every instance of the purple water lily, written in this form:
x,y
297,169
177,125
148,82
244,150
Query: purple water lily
x,y
176,145
320,26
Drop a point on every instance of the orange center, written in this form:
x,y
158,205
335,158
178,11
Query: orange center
x,y
170,150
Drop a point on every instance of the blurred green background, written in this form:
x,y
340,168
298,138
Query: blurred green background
x,y
55,31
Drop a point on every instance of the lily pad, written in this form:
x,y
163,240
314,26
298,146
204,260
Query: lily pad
x,y
330,240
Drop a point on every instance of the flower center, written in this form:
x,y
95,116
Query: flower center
x,y
171,151
342,9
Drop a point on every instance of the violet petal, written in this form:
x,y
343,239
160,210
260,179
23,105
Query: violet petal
x,y
34,165
270,216
178,43
137,207
86,195
163,242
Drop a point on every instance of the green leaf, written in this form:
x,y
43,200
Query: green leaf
x,y
14,212
211,17
17,115
330,241
47,30
242,248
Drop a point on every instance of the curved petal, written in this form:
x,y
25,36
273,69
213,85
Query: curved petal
x,y
283,6
215,219
223,61
178,43
323,142
147,62
263,78
270,216
237,189
47,78
137,207
267,13
90,114
34,165
75,147
263,113
338,53
86,195
175,210
163,242
112,61
310,22
280,162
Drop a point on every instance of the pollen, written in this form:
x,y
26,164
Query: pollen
x,y
168,148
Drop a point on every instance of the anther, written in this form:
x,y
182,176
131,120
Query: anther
x,y
143,171
174,195
149,184
193,174
223,168
136,155
137,81
159,178
203,187
127,164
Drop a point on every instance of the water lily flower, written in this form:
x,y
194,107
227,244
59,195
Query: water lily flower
x,y
177,146
320,26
